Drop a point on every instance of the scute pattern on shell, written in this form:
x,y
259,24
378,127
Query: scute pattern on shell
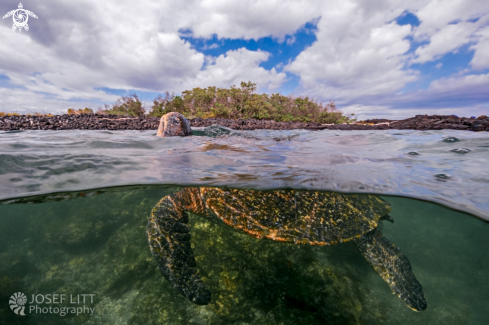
x,y
301,217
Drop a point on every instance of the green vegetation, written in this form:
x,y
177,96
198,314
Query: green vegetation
x,y
86,110
231,103
244,103
126,105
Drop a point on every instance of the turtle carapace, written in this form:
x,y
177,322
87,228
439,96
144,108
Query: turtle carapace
x,y
300,217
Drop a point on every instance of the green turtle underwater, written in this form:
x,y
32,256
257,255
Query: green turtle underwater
x,y
299,217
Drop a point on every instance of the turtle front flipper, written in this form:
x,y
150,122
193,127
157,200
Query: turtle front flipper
x,y
169,240
393,266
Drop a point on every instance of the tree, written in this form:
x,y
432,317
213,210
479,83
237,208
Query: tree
x,y
128,105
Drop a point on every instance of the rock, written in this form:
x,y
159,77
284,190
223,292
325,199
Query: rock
x,y
115,122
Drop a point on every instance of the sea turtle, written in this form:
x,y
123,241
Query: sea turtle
x,y
173,124
299,217
20,17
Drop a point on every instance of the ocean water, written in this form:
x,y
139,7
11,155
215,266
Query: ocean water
x,y
75,205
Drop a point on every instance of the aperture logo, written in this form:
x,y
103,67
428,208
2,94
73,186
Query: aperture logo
x,y
17,303
61,304
20,17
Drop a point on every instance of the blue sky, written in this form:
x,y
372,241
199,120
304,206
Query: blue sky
x,y
375,59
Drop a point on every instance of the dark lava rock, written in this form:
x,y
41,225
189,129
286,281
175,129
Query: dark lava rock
x,y
115,122
440,122
78,122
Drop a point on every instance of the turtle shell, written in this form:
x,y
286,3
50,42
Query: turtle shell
x,y
300,217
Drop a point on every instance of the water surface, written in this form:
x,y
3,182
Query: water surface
x,y
94,190
447,166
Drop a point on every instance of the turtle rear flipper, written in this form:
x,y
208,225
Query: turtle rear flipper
x,y
393,266
169,241
14,27
26,27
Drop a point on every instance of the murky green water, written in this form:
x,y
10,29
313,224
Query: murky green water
x,y
97,245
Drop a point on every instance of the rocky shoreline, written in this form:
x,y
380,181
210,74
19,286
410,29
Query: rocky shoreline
x,y
115,122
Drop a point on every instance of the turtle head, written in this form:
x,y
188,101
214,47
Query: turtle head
x,y
21,6
174,124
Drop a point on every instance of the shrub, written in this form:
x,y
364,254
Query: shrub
x,y
72,111
2,114
245,103
126,105
161,105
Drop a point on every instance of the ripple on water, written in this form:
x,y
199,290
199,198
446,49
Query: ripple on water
x,y
461,150
442,177
385,162
451,139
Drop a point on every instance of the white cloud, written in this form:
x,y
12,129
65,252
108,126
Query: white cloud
x,y
481,56
469,87
460,95
436,15
212,46
74,48
359,59
237,66
250,19
27,101
363,112
447,39
357,53
447,25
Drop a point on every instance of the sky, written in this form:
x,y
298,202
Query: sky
x,y
378,58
